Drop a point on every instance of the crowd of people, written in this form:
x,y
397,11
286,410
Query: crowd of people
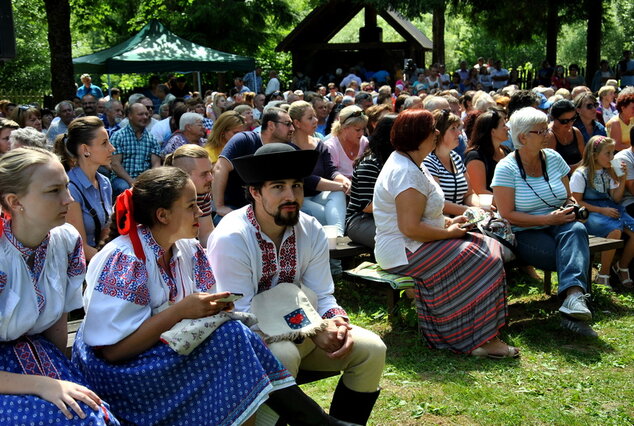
x,y
175,207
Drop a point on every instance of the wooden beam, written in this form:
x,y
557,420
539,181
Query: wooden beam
x,y
353,46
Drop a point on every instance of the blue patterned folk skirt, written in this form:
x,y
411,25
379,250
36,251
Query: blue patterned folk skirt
x,y
37,356
222,382
460,291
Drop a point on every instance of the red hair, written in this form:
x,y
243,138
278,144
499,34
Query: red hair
x,y
411,128
624,100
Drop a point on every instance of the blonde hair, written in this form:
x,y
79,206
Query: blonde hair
x,y
346,119
16,170
606,90
214,105
227,121
593,148
298,109
189,150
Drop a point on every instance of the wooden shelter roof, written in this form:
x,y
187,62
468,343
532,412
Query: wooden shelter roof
x,y
325,21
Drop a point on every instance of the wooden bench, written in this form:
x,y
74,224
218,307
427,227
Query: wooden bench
x,y
596,245
346,248
73,326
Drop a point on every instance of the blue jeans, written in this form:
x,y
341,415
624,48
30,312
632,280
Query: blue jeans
x,y
328,207
562,248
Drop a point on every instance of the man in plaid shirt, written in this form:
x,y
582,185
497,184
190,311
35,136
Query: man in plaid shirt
x,y
136,150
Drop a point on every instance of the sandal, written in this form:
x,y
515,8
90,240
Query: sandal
x,y
603,280
511,352
627,282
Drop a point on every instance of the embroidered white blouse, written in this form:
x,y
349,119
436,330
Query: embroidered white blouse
x,y
33,298
244,260
123,291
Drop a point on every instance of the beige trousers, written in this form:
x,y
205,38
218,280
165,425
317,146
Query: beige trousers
x,y
362,367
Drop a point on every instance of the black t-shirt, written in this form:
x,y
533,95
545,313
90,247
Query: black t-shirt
x,y
489,163
239,145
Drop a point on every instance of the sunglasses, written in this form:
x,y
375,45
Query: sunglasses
x,y
567,120
592,106
353,115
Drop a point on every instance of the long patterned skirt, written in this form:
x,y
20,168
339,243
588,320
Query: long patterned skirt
x,y
460,291
36,355
222,382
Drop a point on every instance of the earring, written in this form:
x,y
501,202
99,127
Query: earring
x,y
86,154
22,209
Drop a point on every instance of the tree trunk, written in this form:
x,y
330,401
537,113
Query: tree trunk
x,y
438,33
552,31
593,38
59,41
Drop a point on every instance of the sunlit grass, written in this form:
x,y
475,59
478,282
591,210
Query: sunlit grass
x,y
559,379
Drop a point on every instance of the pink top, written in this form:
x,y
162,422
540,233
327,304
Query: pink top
x,y
339,158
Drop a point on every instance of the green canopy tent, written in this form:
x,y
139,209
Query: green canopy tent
x,y
156,49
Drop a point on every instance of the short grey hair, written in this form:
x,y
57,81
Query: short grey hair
x,y
58,107
27,136
189,118
110,104
433,103
136,98
410,101
522,121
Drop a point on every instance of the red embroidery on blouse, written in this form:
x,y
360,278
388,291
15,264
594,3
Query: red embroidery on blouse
x,y
286,265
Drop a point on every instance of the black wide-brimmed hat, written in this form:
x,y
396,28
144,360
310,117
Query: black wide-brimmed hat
x,y
275,161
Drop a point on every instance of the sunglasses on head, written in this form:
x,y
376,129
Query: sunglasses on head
x,y
26,107
353,115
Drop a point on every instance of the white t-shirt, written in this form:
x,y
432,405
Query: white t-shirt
x,y
499,73
399,174
602,181
628,156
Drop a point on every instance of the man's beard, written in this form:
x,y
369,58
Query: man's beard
x,y
290,219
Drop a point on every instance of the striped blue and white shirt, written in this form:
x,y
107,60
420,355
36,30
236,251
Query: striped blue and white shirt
x,y
453,185
527,200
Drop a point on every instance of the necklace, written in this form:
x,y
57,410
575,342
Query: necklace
x,y
410,157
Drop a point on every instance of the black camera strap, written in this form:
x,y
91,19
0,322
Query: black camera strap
x,y
542,160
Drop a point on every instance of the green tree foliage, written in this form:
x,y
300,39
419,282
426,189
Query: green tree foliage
x,y
29,71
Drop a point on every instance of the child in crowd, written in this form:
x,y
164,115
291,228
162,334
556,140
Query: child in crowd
x,y
599,188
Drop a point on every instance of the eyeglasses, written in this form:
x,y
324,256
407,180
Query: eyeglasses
x,y
542,132
567,120
592,106
150,108
354,115
286,123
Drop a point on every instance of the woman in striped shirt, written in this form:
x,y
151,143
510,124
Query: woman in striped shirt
x,y
530,187
447,168
360,225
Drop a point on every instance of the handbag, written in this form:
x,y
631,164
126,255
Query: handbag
x,y
495,226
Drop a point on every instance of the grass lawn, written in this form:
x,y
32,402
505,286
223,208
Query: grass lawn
x,y
559,379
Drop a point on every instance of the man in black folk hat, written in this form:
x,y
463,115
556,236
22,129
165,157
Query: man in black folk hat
x,y
271,241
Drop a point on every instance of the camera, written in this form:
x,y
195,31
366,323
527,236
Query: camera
x,y
580,212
